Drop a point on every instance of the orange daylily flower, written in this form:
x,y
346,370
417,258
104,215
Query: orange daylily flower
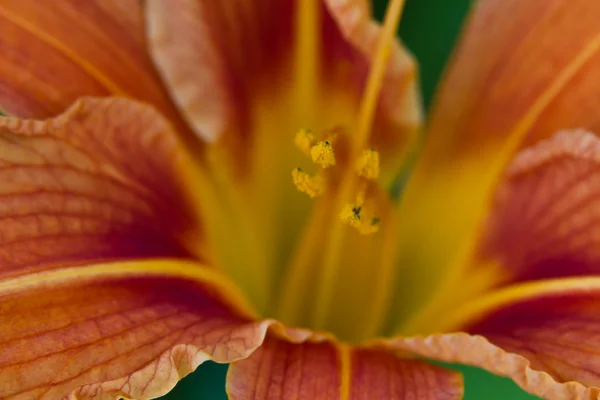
x,y
146,230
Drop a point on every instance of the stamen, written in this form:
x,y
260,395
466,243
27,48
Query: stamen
x,y
322,154
307,54
367,165
376,74
304,140
311,185
348,184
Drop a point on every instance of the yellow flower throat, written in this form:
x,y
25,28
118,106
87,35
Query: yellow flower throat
x,y
329,285
360,214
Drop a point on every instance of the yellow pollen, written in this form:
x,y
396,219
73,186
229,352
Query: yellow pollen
x,y
322,154
311,185
367,165
359,214
354,215
304,140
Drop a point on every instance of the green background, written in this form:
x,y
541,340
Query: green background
x,y
429,28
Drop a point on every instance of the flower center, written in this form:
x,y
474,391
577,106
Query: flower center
x,y
341,275
362,212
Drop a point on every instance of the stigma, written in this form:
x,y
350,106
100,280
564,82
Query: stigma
x,y
323,151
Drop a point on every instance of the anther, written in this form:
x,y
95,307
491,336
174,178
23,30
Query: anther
x,y
353,215
304,140
367,164
350,214
311,185
322,154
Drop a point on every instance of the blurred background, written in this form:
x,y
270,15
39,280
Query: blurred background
x,y
429,28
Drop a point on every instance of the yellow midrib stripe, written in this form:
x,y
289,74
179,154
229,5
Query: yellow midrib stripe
x,y
345,370
514,294
168,268
52,42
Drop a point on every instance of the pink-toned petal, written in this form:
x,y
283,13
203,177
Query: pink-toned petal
x,y
130,329
544,335
54,54
545,219
326,370
103,181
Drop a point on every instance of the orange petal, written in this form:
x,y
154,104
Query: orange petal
x,y
325,370
544,223
522,71
542,334
116,330
54,54
100,182
221,63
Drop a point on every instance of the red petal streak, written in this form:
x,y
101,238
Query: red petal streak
x,y
545,221
210,54
109,337
325,370
100,182
54,54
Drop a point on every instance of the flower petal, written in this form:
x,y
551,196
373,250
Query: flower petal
x,y
280,369
523,70
54,54
100,182
130,329
543,335
544,222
